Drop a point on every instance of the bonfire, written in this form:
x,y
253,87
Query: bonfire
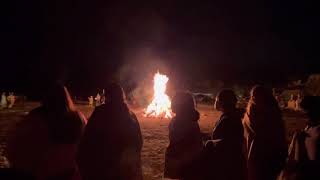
x,y
160,105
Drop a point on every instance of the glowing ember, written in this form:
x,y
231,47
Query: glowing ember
x,y
161,104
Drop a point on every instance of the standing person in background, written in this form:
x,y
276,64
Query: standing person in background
x,y
183,153
226,158
112,141
292,103
91,101
3,100
98,100
45,143
103,97
298,102
11,99
265,136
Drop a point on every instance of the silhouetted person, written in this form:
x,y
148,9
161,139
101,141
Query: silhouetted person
x,y
45,142
184,150
304,150
265,136
226,157
112,142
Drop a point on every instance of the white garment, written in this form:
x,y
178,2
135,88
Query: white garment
x,y
98,100
3,101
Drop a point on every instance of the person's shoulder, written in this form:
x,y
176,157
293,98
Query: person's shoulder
x,y
101,109
35,119
35,111
34,115
224,118
132,114
133,117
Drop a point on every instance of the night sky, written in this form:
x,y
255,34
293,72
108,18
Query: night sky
x,y
85,43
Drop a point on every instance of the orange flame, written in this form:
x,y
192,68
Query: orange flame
x,y
161,104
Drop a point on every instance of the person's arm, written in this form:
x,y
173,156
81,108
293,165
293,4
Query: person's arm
x,y
312,141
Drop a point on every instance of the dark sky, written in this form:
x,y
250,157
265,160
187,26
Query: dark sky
x,y
86,42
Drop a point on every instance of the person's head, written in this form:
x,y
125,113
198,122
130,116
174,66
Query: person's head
x,y
311,105
115,94
183,103
262,96
263,114
57,99
226,100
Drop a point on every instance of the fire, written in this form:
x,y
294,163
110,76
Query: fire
x,y
161,104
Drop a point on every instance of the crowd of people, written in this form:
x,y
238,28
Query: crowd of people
x,y
98,100
294,103
7,101
55,141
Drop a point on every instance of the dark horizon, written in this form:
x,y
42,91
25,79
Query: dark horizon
x,y
86,44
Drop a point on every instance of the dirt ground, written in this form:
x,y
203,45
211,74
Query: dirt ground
x,y
154,130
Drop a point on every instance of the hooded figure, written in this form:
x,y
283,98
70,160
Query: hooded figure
x,y
45,143
226,156
184,150
112,142
265,136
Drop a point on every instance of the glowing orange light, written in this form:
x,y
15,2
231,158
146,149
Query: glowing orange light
x,y
161,104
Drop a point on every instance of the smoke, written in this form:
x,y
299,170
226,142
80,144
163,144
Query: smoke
x,y
136,75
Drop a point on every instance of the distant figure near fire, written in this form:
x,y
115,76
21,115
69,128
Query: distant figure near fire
x,y
11,99
98,99
292,103
112,141
91,101
3,100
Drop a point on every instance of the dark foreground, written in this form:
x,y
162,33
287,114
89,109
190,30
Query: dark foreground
x,y
154,130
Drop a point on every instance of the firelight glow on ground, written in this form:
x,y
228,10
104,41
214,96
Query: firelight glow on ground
x,y
154,131
161,104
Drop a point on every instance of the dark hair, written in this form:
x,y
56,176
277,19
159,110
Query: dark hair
x,y
311,105
263,101
62,118
262,96
114,93
58,99
226,99
183,105
182,102
264,119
